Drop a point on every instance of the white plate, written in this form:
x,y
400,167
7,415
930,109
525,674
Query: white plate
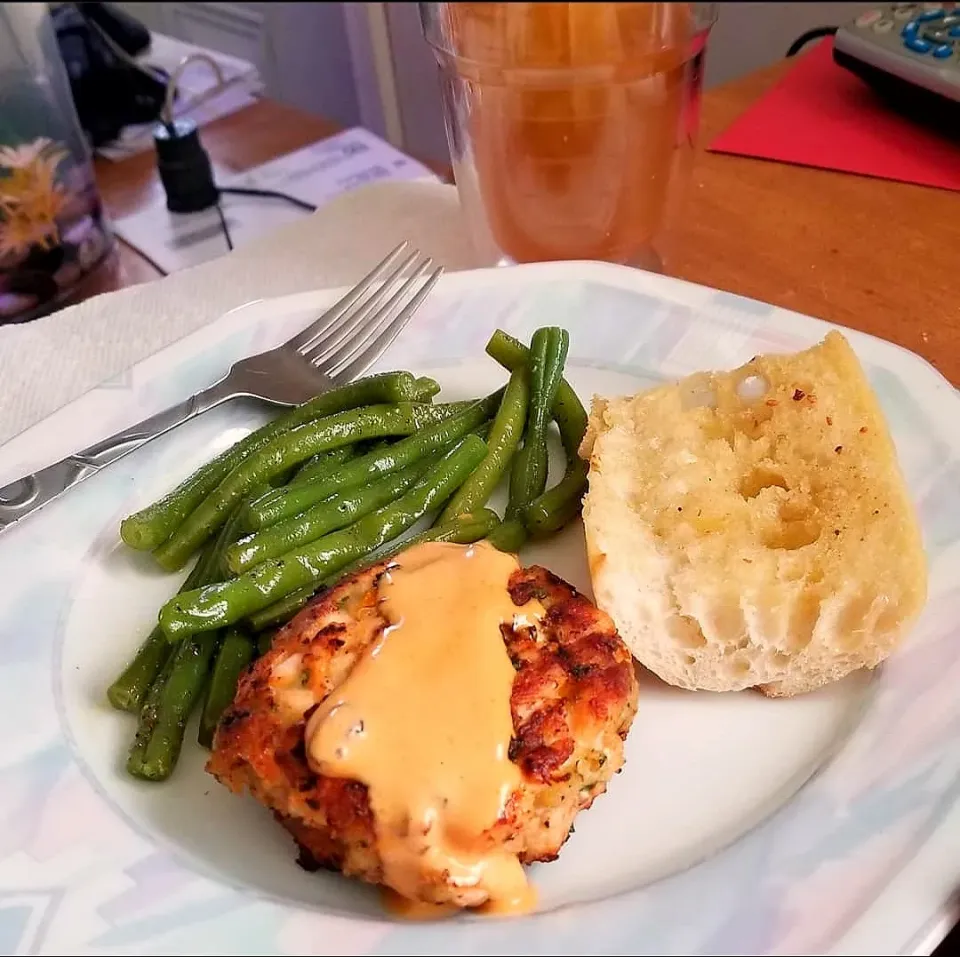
x,y
741,825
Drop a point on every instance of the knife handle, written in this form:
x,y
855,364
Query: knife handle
x,y
31,492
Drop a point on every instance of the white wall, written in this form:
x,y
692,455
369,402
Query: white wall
x,y
748,36
302,50
418,91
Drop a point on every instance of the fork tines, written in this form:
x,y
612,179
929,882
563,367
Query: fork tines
x,y
362,324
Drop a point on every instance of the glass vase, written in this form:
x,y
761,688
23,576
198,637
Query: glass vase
x,y
54,237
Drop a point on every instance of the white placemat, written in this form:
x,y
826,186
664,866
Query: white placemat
x,y
49,362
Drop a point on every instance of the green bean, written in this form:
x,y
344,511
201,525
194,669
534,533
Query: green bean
x,y
147,719
235,653
528,478
508,536
180,669
557,506
322,463
264,642
217,606
426,388
128,690
464,529
232,530
282,610
152,526
427,415
281,453
571,418
327,516
282,479
554,508
467,528
279,504
502,443
512,354
189,671
374,445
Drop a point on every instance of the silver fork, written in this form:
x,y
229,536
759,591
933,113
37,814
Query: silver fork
x,y
336,348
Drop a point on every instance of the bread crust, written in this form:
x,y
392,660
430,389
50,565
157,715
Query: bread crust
x,y
752,528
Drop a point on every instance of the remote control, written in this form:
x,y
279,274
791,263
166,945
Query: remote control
x,y
910,53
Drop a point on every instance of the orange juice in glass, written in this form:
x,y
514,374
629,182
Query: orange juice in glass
x,y
571,125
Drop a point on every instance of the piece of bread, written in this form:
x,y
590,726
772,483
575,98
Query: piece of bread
x,y
752,528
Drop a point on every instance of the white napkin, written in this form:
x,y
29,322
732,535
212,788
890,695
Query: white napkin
x,y
48,363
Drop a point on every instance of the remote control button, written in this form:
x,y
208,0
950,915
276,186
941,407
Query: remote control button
x,y
929,15
943,51
910,30
955,31
917,45
904,11
869,18
883,26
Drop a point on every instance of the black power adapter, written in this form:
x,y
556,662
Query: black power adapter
x,y
184,167
187,174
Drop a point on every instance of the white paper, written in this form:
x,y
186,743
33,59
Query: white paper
x,y
315,174
325,169
178,240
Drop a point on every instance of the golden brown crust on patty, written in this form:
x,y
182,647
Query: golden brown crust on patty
x,y
573,699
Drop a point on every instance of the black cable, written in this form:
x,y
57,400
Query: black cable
x,y
268,194
264,193
187,175
225,228
149,260
809,37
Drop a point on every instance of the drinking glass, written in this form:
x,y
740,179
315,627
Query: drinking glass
x,y
571,125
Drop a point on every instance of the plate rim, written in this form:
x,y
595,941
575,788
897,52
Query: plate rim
x,y
623,276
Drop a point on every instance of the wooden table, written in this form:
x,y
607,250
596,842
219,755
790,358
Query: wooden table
x,y
866,253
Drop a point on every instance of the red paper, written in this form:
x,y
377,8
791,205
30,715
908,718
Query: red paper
x,y
822,115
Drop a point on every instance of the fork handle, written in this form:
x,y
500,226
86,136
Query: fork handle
x,y
27,494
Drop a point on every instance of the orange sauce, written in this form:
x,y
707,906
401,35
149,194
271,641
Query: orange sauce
x,y
406,908
577,119
424,721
